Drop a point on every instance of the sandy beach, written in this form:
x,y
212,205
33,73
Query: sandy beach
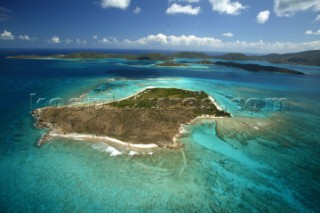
x,y
77,136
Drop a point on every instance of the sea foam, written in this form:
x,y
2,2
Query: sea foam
x,y
106,148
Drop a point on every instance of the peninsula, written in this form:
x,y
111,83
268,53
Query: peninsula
x,y
152,116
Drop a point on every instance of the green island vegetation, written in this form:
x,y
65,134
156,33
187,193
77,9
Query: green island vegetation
x,y
171,64
311,58
99,55
198,55
258,68
172,98
207,62
233,56
151,116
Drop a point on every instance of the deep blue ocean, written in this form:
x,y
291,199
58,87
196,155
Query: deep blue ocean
x,y
265,158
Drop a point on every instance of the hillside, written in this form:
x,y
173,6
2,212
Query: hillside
x,y
311,58
258,68
191,55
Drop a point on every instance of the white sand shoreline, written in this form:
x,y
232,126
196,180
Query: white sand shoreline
x,y
78,136
215,103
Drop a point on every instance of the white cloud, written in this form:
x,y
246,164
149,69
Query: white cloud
x,y
227,34
172,40
113,39
137,10
121,4
263,16
127,41
6,35
192,42
188,9
271,47
159,38
290,7
68,41
104,41
310,32
109,40
227,6
55,40
95,37
81,42
26,38
318,18
4,14
188,1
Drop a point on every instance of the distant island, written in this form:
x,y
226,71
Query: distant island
x,y
306,58
197,55
258,68
206,62
151,116
311,58
171,64
99,55
247,67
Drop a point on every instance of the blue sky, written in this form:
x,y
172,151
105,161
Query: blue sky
x,y
201,25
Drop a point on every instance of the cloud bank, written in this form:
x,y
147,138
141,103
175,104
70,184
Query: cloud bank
x,y
186,42
193,42
173,40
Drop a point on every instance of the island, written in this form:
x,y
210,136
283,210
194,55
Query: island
x,y
205,62
258,68
152,116
197,55
310,58
171,64
97,55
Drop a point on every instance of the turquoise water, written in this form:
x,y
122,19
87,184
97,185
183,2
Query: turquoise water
x,y
256,161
